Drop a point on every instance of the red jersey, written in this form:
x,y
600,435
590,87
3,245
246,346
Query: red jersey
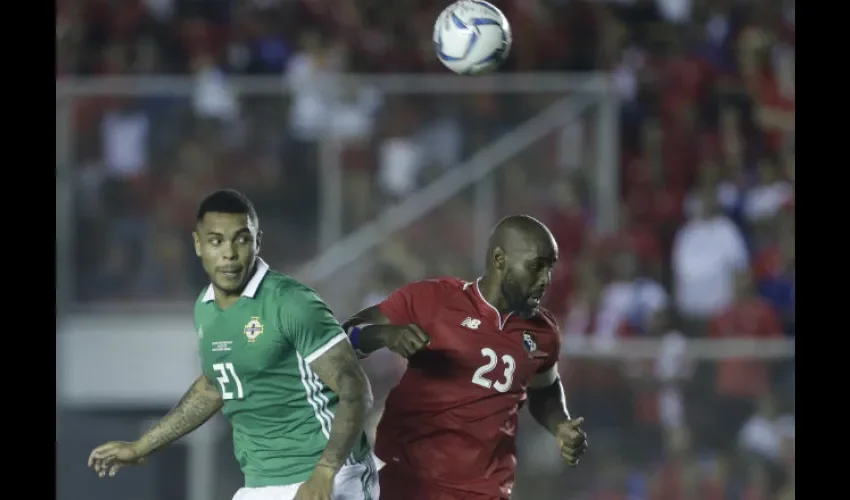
x,y
451,421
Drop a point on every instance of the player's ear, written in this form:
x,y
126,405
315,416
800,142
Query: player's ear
x,y
197,241
499,259
259,240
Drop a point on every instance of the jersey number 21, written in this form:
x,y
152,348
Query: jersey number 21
x,y
228,380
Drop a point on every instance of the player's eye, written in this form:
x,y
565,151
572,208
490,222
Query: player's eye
x,y
243,240
214,242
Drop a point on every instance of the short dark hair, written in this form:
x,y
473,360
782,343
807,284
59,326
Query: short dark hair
x,y
227,201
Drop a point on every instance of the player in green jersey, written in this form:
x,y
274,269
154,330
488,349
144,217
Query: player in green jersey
x,y
277,364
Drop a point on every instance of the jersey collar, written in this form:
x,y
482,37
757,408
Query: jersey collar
x,y
252,286
476,291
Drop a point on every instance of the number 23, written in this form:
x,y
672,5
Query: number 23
x,y
492,359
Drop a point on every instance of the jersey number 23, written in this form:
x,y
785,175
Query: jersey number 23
x,y
482,374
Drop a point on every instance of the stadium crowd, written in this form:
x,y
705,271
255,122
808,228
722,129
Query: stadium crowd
x,y
705,245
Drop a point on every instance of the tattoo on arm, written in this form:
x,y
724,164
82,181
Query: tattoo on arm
x,y
548,405
341,371
199,403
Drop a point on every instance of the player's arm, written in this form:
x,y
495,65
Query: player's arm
x,y
394,322
370,330
320,340
340,370
546,400
548,405
199,403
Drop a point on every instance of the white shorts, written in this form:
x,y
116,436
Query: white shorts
x,y
352,482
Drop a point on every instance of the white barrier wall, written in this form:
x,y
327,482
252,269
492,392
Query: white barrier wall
x,y
125,360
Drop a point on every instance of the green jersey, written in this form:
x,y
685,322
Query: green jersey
x,y
259,352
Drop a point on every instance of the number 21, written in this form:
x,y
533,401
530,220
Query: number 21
x,y
510,365
224,380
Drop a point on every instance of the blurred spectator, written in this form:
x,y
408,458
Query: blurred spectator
x,y
740,382
767,480
568,220
312,75
643,240
125,131
769,195
707,252
774,270
400,163
659,399
768,434
732,144
593,386
213,99
682,474
676,11
582,315
630,300
709,180
124,135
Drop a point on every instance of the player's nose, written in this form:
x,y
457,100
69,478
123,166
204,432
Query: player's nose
x,y
545,280
228,252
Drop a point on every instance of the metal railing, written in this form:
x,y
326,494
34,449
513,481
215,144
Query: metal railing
x,y
367,237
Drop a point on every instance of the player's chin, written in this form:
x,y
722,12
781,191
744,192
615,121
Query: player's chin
x,y
531,305
230,282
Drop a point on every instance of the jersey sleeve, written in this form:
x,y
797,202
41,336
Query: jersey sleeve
x,y
308,323
553,344
411,303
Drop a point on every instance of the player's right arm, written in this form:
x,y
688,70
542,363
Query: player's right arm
x,y
200,402
370,330
394,323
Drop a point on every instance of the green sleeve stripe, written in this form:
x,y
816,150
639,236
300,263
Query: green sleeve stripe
x,y
326,347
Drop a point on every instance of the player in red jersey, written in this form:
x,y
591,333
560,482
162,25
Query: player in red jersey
x,y
476,351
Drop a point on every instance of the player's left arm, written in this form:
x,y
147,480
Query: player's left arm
x,y
548,404
321,342
546,400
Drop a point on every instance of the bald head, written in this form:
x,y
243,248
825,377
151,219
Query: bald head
x,y
521,254
519,231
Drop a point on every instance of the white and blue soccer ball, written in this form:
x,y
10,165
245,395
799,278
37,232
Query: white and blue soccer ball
x,y
472,37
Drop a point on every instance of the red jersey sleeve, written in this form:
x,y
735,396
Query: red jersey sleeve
x,y
412,303
551,343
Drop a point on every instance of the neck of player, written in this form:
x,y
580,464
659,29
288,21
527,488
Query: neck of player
x,y
491,291
225,298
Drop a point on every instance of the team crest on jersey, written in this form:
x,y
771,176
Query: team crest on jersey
x,y
253,329
528,341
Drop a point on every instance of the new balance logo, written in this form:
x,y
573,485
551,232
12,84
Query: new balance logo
x,y
470,323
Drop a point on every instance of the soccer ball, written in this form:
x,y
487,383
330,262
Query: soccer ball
x,y
472,37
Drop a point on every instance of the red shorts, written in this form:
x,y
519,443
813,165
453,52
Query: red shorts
x,y
396,484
